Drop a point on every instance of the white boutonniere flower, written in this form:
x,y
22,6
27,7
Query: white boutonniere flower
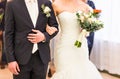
x,y
46,10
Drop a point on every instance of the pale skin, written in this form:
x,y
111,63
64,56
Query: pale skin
x,y
36,37
51,30
14,67
67,5
85,1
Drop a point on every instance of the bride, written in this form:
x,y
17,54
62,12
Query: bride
x,y
71,62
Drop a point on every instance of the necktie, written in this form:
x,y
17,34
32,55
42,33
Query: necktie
x,y
35,47
31,1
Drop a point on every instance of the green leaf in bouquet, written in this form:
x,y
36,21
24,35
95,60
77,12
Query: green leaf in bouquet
x,y
78,43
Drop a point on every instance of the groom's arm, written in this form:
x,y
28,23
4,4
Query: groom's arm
x,y
52,21
9,32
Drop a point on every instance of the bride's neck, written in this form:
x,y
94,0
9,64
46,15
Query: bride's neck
x,y
69,1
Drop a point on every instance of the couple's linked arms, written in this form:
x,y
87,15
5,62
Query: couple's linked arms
x,y
39,36
50,32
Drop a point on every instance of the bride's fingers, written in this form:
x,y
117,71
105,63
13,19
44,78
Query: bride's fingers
x,y
48,30
48,27
51,30
55,29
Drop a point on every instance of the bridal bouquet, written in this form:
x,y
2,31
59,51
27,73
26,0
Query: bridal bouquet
x,y
89,22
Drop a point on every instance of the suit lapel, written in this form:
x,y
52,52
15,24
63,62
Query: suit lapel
x,y
26,13
39,7
40,2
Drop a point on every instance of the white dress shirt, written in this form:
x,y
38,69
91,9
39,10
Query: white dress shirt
x,y
32,6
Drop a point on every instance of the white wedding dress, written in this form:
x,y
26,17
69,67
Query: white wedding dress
x,y
72,62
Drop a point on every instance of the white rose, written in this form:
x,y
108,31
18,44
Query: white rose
x,y
86,15
47,10
82,18
90,20
94,19
98,22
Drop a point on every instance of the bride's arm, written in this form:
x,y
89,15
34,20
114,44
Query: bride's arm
x,y
51,30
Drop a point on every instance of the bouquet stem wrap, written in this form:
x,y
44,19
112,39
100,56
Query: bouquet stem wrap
x,y
78,42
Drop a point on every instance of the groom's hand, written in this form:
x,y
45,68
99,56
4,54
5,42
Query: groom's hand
x,y
36,36
14,67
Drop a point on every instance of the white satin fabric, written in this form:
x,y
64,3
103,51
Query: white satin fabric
x,y
72,62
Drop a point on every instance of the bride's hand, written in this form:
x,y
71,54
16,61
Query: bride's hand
x,y
87,34
51,30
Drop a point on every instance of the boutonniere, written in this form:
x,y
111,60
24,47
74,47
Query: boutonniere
x,y
46,10
1,14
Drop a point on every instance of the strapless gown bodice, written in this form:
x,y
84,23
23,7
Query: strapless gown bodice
x,y
70,28
72,62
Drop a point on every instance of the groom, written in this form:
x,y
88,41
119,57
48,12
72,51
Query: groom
x,y
25,32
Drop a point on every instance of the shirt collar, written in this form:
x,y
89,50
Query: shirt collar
x,y
30,1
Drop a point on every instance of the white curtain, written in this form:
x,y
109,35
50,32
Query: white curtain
x,y
106,50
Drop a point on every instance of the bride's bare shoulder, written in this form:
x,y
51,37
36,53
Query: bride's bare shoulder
x,y
86,7
57,6
56,3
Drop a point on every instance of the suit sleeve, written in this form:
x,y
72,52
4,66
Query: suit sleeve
x,y
9,33
51,22
91,4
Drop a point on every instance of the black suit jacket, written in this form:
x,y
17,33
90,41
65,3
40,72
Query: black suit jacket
x,y
91,4
2,6
17,26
